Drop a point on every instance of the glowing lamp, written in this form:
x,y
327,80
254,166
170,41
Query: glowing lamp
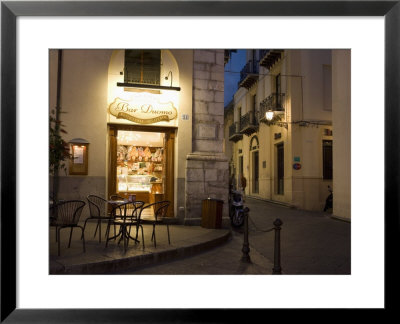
x,y
269,115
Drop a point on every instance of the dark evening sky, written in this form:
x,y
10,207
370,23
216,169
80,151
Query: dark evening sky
x,y
232,74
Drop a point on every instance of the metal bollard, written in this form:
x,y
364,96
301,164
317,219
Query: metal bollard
x,y
246,247
277,250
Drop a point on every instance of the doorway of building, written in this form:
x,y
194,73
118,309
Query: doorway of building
x,y
280,169
240,174
141,164
327,171
254,146
255,172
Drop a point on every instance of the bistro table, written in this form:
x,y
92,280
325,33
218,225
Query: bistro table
x,y
117,202
123,226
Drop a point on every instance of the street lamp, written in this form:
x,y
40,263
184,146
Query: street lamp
x,y
269,115
274,110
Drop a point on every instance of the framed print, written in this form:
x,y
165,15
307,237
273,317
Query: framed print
x,y
12,12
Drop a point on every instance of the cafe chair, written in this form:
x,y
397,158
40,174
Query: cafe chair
x,y
98,210
154,214
66,214
131,212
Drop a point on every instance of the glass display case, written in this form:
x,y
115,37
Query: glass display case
x,y
140,169
133,183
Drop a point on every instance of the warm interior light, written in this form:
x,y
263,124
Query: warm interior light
x,y
269,115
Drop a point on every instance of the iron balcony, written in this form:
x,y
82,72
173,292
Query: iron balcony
x,y
249,74
248,123
269,57
234,132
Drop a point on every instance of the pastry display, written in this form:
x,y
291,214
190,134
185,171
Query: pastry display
x,y
121,153
139,169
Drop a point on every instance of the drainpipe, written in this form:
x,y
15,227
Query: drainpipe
x,y
56,181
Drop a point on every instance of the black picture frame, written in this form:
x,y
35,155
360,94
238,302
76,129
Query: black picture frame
x,y
10,10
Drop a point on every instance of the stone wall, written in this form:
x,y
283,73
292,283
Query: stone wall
x,y
207,172
208,100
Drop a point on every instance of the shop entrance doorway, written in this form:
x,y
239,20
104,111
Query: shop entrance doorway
x,y
141,164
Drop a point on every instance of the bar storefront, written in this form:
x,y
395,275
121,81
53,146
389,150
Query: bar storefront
x,y
146,122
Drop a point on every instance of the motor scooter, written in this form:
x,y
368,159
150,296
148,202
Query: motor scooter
x,y
236,212
329,200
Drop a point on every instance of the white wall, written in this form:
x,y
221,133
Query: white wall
x,y
341,105
84,101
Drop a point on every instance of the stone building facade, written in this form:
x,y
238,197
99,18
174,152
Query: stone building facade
x,y
303,146
207,167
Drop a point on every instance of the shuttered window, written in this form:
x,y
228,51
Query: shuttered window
x,y
142,66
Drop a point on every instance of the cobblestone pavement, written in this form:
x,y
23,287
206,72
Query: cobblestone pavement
x,y
311,243
221,260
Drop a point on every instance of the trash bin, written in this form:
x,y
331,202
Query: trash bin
x,y
211,213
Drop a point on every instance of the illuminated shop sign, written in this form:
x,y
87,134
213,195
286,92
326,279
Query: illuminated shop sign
x,y
143,110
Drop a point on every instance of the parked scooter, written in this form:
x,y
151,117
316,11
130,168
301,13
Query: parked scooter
x,y
329,200
236,212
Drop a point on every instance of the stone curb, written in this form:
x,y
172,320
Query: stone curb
x,y
138,261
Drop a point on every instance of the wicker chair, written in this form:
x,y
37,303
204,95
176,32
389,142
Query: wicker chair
x,y
98,208
66,214
131,212
154,214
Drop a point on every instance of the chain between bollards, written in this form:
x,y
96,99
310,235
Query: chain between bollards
x,y
277,269
246,246
277,249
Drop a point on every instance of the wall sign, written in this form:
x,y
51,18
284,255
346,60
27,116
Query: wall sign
x,y
78,164
297,166
296,159
143,110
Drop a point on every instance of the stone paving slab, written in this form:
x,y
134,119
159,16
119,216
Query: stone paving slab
x,y
99,259
225,259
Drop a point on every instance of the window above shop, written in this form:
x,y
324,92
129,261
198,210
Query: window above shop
x,y
143,70
142,67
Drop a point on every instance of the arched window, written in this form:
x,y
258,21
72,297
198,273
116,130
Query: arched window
x,y
254,143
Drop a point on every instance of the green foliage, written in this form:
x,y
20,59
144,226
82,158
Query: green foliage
x,y
58,148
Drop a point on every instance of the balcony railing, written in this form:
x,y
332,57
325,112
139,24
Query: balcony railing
x,y
274,102
263,53
234,132
228,54
248,123
269,57
249,74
